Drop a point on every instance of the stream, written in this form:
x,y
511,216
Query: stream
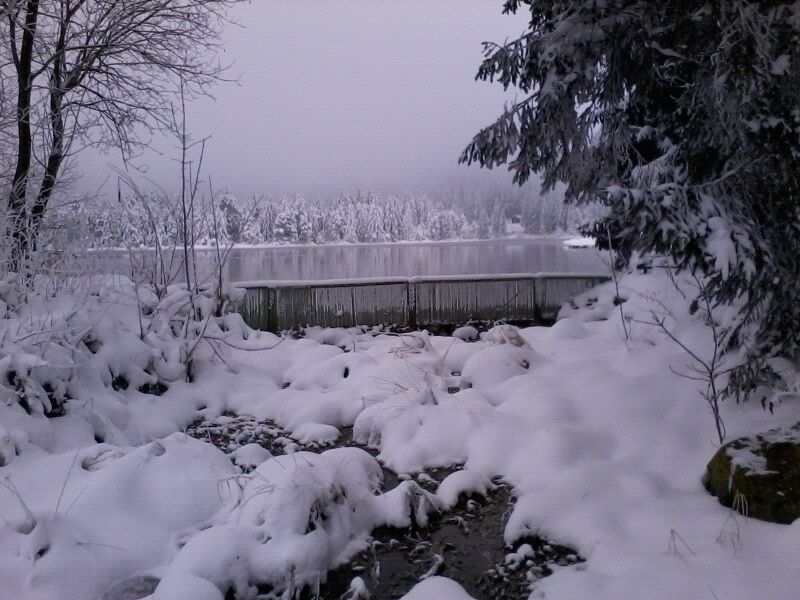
x,y
465,543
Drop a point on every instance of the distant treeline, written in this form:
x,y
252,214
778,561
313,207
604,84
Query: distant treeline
x,y
145,221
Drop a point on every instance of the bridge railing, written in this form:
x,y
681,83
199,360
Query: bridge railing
x,y
410,301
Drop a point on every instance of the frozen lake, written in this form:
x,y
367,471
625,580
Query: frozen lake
x,y
310,263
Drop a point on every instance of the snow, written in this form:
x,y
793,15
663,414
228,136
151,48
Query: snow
x,y
250,455
350,219
568,328
412,432
747,454
297,516
467,333
603,443
316,433
494,365
438,588
720,245
114,511
466,483
358,590
507,356
580,242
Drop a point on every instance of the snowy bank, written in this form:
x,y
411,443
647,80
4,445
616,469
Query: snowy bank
x,y
604,443
580,242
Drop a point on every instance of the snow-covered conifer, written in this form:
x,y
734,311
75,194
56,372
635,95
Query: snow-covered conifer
x,y
682,120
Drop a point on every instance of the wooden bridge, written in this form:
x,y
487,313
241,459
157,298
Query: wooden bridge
x,y
410,301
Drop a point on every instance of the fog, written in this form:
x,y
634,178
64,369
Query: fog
x,y
336,95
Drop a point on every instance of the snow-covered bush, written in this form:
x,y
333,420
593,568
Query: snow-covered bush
x,y
296,517
83,354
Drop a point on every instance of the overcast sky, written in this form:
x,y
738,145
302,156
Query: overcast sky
x,y
346,94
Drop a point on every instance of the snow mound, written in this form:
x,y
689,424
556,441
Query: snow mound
x,y
569,329
603,444
580,242
412,432
143,497
437,588
464,482
406,505
334,336
467,333
505,334
296,517
250,455
498,363
315,433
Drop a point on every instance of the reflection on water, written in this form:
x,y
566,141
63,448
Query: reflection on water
x,y
382,260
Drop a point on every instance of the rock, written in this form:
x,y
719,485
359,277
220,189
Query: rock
x,y
467,333
250,455
316,433
505,334
133,588
759,475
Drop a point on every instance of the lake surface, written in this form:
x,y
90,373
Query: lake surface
x,y
310,263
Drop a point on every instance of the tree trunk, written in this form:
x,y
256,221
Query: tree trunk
x,y
56,156
18,197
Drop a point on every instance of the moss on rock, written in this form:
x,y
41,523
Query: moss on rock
x,y
759,475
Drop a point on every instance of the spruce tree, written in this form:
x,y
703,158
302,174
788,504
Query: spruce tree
x,y
683,118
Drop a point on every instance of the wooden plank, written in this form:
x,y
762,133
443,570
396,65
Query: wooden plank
x,y
411,301
552,291
459,301
256,309
329,306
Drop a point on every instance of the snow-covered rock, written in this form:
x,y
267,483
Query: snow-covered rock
x,y
250,455
505,334
569,329
498,363
467,333
437,588
316,433
759,475
464,482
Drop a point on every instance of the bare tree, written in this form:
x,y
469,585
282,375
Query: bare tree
x,y
709,369
96,72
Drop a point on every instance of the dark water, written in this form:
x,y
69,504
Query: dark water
x,y
382,260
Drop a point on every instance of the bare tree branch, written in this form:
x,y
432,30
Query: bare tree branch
x,y
96,73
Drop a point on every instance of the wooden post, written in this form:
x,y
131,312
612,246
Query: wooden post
x,y
411,302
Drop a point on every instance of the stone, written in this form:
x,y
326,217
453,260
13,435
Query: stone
x,y
759,475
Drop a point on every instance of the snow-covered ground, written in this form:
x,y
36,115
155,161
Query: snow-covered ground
x,y
604,445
